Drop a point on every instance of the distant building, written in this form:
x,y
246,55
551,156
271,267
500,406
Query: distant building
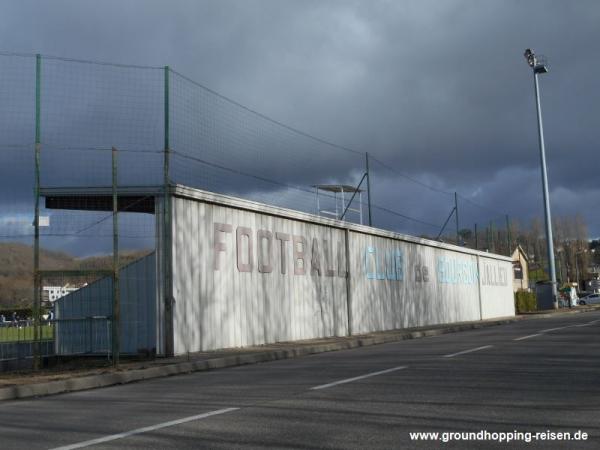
x,y
52,293
594,285
520,270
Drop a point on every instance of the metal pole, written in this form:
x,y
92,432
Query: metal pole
x,y
348,280
476,239
576,271
361,207
344,200
445,223
547,216
116,327
369,189
318,203
352,198
167,227
508,236
456,217
90,327
36,221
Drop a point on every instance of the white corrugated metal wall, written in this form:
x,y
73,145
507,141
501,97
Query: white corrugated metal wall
x,y
247,274
220,302
395,284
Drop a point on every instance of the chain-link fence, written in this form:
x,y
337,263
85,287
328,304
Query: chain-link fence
x,y
17,341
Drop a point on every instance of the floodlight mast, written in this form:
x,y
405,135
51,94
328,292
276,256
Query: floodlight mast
x,y
538,64
530,57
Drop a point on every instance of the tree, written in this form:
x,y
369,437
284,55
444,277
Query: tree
x,y
465,234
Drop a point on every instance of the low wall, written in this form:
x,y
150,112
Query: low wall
x,y
247,274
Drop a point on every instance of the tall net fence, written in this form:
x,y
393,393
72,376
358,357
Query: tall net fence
x,y
405,204
87,109
484,228
222,146
80,110
17,128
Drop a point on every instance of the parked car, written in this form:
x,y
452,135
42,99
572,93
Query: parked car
x,y
590,299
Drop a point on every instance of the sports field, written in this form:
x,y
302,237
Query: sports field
x,y
24,333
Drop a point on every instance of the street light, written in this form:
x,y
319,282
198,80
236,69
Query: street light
x,y
538,65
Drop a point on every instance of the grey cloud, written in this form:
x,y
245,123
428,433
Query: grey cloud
x,y
437,89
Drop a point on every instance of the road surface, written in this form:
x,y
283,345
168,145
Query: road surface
x,y
530,376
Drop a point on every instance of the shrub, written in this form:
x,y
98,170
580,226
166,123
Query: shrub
x,y
525,301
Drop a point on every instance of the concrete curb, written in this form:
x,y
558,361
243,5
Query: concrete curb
x,y
132,375
552,312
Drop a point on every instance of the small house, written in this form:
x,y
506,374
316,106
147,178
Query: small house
x,y
520,269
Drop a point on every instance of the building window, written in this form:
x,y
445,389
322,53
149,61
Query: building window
x,y
518,270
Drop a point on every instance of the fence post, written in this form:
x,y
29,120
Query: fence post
x,y
369,188
90,328
116,344
168,301
508,236
476,239
348,281
37,289
456,217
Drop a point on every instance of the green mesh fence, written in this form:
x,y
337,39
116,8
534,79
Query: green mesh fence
x,y
215,144
485,228
423,207
221,146
89,108
405,204
17,128
151,115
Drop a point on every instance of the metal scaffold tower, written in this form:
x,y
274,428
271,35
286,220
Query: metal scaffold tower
x,y
341,205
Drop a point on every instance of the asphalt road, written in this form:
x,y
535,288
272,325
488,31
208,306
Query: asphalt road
x,y
531,376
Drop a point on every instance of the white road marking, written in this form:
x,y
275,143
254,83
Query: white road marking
x,y
114,437
468,351
349,380
527,337
555,329
586,324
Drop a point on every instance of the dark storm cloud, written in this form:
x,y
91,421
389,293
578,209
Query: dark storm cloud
x,y
439,90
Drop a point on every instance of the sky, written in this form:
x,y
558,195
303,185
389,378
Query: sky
x,y
437,90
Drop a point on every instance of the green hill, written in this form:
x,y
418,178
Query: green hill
x,y
16,270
